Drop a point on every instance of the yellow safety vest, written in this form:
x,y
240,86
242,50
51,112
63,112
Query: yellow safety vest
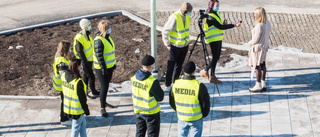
x,y
186,99
142,102
71,101
108,53
56,76
87,46
212,33
180,35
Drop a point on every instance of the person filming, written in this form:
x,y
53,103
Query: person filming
x,y
213,28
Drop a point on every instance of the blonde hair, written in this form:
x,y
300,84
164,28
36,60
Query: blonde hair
x,y
260,16
63,49
103,27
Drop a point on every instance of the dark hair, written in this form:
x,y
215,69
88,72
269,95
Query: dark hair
x,y
63,49
73,67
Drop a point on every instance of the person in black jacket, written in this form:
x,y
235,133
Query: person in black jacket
x,y
104,61
75,99
83,49
146,95
189,107
215,43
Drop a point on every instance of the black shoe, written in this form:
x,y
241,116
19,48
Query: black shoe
x,y
96,93
264,89
104,113
109,105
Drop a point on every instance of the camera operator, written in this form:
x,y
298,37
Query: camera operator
x,y
175,35
213,29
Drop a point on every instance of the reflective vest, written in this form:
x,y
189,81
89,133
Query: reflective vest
x,y
142,102
180,35
71,101
56,76
87,46
108,54
186,99
212,33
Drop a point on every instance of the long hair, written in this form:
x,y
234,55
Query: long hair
x,y
260,16
63,49
103,27
210,5
73,67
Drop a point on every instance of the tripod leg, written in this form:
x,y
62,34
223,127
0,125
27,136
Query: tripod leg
x,y
217,88
193,46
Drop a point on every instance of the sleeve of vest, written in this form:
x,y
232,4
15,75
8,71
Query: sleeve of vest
x,y
82,56
212,21
82,97
204,99
157,91
98,48
171,100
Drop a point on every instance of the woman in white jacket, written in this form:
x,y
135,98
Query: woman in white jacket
x,y
259,45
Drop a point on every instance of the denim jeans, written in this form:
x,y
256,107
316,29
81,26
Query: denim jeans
x,y
195,128
147,122
79,127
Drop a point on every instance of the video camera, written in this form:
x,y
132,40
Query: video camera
x,y
202,15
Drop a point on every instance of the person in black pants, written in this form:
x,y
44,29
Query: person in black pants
x,y
83,50
104,61
214,35
146,95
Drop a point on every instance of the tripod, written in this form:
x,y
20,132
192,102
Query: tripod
x,y
201,35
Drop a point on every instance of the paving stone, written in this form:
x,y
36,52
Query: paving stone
x,y
286,28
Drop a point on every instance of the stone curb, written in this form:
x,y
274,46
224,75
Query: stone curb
x,y
76,19
9,97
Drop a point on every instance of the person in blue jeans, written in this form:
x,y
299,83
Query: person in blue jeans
x,y
75,99
190,99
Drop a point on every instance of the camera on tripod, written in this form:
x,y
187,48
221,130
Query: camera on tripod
x,y
202,15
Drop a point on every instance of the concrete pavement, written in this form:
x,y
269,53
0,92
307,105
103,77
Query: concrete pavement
x,y
289,108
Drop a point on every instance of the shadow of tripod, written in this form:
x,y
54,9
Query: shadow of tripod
x,y
201,35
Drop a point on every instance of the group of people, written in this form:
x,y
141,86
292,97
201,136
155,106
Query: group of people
x,y
98,53
187,96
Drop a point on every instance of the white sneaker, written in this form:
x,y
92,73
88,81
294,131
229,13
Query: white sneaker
x,y
263,85
67,123
256,88
168,88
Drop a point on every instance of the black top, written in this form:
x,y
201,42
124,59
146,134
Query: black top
x,y
81,94
98,48
79,49
203,97
212,21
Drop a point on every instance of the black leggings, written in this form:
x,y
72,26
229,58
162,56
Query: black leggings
x,y
104,82
216,51
63,116
88,76
175,62
261,72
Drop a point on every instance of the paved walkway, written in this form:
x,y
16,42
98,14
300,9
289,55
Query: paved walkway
x,y
289,108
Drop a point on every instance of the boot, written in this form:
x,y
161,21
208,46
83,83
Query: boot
x,y
205,74
214,79
256,88
263,85
103,112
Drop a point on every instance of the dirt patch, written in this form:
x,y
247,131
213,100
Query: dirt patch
x,y
28,71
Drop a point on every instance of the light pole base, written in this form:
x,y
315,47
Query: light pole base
x,y
156,74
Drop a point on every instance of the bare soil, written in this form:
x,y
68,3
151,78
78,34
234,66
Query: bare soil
x,y
28,71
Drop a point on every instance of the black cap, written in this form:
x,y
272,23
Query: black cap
x,y
147,60
189,67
